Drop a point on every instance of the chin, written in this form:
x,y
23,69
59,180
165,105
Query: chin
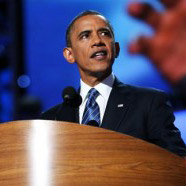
x,y
101,73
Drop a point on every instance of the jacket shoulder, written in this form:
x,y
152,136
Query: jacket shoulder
x,y
138,90
51,113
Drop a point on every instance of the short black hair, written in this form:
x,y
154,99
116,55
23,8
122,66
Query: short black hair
x,y
85,13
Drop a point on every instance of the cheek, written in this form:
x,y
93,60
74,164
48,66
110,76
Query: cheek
x,y
80,50
78,53
80,57
111,46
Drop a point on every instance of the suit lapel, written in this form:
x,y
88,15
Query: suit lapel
x,y
77,115
68,113
117,106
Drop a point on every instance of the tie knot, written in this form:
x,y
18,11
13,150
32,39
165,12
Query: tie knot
x,y
93,93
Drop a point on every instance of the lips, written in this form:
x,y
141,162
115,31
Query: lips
x,y
99,54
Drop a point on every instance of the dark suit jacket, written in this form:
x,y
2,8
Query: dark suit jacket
x,y
145,114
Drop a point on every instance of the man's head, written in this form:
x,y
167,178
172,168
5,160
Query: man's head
x,y
91,44
70,26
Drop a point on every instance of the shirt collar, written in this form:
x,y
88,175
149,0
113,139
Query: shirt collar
x,y
103,87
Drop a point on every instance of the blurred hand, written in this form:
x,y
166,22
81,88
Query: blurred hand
x,y
167,48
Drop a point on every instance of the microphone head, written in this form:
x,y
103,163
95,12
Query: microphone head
x,y
71,97
68,93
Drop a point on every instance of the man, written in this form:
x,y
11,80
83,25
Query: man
x,y
166,49
140,112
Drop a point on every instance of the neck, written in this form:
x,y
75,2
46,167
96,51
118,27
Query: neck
x,y
94,80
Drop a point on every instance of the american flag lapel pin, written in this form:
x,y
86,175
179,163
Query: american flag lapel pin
x,y
120,105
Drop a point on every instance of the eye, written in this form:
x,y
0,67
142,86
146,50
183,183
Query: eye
x,y
85,35
105,33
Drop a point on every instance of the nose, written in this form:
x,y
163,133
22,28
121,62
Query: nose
x,y
97,41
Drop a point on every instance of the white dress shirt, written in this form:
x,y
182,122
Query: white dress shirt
x,y
104,88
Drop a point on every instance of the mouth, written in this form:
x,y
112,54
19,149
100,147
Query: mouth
x,y
99,54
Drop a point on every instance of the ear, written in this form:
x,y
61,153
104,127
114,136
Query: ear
x,y
117,49
68,54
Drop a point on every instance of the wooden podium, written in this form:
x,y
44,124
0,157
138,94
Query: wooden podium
x,y
51,153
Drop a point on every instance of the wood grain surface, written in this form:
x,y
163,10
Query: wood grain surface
x,y
51,153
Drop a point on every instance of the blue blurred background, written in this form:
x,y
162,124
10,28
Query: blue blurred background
x,y
45,73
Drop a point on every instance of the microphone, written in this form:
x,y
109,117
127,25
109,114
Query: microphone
x,y
71,100
93,123
71,97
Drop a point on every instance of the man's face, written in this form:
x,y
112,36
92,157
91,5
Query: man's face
x,y
93,46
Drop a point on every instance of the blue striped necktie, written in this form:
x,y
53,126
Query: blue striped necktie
x,y
91,111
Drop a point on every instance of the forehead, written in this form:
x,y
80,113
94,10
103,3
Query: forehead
x,y
88,22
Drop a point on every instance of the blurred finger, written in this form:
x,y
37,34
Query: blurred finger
x,y
141,46
145,12
170,3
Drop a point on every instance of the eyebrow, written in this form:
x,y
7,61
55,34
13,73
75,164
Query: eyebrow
x,y
104,29
84,32
89,31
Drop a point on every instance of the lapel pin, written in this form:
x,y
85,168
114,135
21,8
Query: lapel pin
x,y
120,105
